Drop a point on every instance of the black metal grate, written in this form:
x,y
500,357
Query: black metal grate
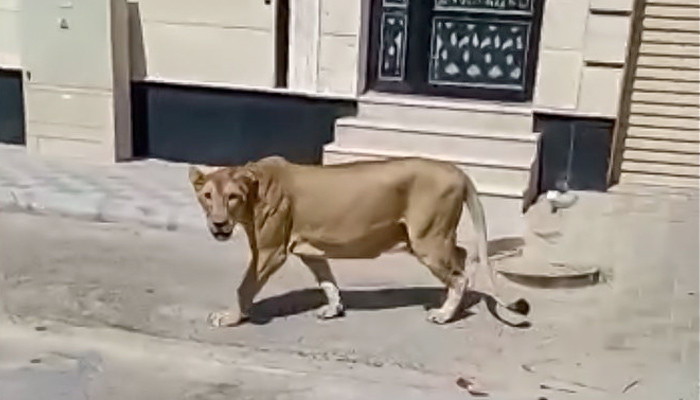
x,y
574,153
12,129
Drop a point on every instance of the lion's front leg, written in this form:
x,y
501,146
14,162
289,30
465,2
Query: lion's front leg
x,y
262,265
245,293
225,318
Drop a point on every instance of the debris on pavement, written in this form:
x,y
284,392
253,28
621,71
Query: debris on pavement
x,y
471,386
557,386
507,254
630,385
559,200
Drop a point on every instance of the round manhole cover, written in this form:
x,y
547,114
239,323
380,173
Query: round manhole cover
x,y
549,275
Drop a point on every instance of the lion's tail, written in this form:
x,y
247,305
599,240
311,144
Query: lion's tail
x,y
476,210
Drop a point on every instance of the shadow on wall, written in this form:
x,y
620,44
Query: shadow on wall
x,y
212,126
11,108
573,154
137,51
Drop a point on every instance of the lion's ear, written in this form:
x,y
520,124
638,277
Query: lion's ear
x,y
196,177
247,177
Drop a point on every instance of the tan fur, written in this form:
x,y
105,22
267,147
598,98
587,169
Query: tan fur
x,y
355,210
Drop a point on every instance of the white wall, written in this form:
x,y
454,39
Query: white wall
x,y
9,34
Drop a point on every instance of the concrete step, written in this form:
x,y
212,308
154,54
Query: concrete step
x,y
672,146
671,24
661,157
650,132
502,206
458,113
636,178
689,124
672,11
671,110
669,49
504,219
656,168
671,37
659,85
332,155
516,149
501,179
679,3
688,99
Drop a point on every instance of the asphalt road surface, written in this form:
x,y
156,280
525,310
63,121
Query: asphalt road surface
x,y
112,311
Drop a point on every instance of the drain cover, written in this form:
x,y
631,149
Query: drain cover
x,y
552,275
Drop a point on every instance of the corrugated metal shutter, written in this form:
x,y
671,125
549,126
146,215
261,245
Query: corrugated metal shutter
x,y
662,144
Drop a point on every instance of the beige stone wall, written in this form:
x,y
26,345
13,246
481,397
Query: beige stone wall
x,y
231,43
582,53
339,46
325,47
304,33
9,34
220,42
76,82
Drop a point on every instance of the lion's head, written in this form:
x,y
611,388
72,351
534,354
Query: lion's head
x,y
224,196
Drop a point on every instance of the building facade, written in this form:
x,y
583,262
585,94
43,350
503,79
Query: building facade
x,y
525,95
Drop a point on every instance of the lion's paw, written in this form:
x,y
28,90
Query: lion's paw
x,y
330,311
220,319
437,316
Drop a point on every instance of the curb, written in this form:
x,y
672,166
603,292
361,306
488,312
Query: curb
x,y
102,208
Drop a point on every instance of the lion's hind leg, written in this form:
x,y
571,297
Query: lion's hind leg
x,y
443,260
326,281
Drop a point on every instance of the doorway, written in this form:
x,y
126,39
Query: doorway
x,y
485,49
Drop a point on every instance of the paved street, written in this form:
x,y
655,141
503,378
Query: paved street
x,y
150,290
69,363
108,275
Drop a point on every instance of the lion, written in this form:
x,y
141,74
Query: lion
x,y
353,210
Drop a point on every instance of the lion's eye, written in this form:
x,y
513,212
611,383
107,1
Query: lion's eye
x,y
207,195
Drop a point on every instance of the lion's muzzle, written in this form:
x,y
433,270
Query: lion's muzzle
x,y
221,230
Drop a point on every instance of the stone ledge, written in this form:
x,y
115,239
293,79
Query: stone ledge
x,y
101,208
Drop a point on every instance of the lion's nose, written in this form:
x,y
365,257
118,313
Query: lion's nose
x,y
219,225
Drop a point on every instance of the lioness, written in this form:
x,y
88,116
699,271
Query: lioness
x,y
354,210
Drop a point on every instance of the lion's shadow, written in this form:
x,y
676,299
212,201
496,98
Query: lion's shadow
x,y
301,301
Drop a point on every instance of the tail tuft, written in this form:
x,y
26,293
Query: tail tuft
x,y
520,306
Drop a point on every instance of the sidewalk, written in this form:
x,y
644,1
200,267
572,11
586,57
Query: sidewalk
x,y
151,193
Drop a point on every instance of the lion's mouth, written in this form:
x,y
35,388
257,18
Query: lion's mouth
x,y
221,235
